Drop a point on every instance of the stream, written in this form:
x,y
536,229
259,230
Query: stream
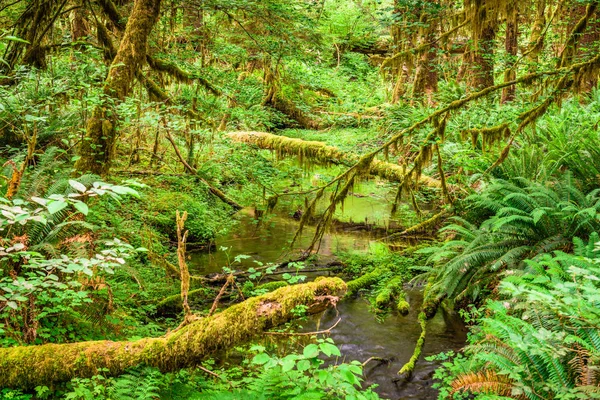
x,y
361,333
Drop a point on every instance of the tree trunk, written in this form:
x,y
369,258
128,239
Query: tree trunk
x,y
426,76
510,45
98,146
536,41
587,46
482,57
78,23
26,367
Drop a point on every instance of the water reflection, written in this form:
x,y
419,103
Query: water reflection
x,y
360,336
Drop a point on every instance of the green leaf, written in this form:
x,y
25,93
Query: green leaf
x,y
81,207
15,39
303,365
261,359
56,205
328,349
77,186
288,363
311,351
124,190
12,304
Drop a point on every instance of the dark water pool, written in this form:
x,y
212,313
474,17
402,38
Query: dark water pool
x,y
360,335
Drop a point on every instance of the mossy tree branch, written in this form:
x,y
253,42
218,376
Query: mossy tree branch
x,y
322,153
28,367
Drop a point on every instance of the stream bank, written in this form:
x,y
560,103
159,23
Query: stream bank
x,y
362,333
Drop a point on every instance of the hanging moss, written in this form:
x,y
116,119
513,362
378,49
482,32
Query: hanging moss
x,y
321,153
27,367
490,136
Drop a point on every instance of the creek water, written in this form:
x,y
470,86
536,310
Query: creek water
x,y
361,334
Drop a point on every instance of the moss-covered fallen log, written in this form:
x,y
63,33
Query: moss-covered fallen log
x,y
365,281
322,153
28,367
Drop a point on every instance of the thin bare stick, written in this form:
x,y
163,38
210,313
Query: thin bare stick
x,y
326,331
380,359
208,371
221,292
193,171
183,269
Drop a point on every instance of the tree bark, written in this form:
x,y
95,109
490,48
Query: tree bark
x,y
26,367
510,45
482,56
426,76
98,147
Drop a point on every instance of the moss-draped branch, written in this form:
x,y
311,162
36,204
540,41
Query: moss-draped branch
x,y
320,152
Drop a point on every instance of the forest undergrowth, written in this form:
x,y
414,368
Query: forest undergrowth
x,y
137,134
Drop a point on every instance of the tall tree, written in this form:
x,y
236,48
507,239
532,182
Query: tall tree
x,y
511,47
98,146
484,24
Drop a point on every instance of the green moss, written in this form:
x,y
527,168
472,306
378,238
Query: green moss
x,y
410,365
402,306
249,289
27,367
200,224
365,281
172,304
393,288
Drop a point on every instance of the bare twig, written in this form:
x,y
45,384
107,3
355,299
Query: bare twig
x,y
326,331
228,282
183,269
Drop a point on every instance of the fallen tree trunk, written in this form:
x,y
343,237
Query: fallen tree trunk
x,y
26,367
322,153
291,110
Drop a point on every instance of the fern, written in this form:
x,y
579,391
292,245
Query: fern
x,y
527,219
540,339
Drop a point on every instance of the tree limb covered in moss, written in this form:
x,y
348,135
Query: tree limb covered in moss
x,y
421,225
568,51
322,153
410,365
344,181
180,74
424,46
27,367
111,11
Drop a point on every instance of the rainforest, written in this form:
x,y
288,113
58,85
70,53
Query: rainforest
x,y
299,199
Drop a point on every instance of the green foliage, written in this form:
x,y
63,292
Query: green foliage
x,y
161,214
294,376
508,222
539,338
43,292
